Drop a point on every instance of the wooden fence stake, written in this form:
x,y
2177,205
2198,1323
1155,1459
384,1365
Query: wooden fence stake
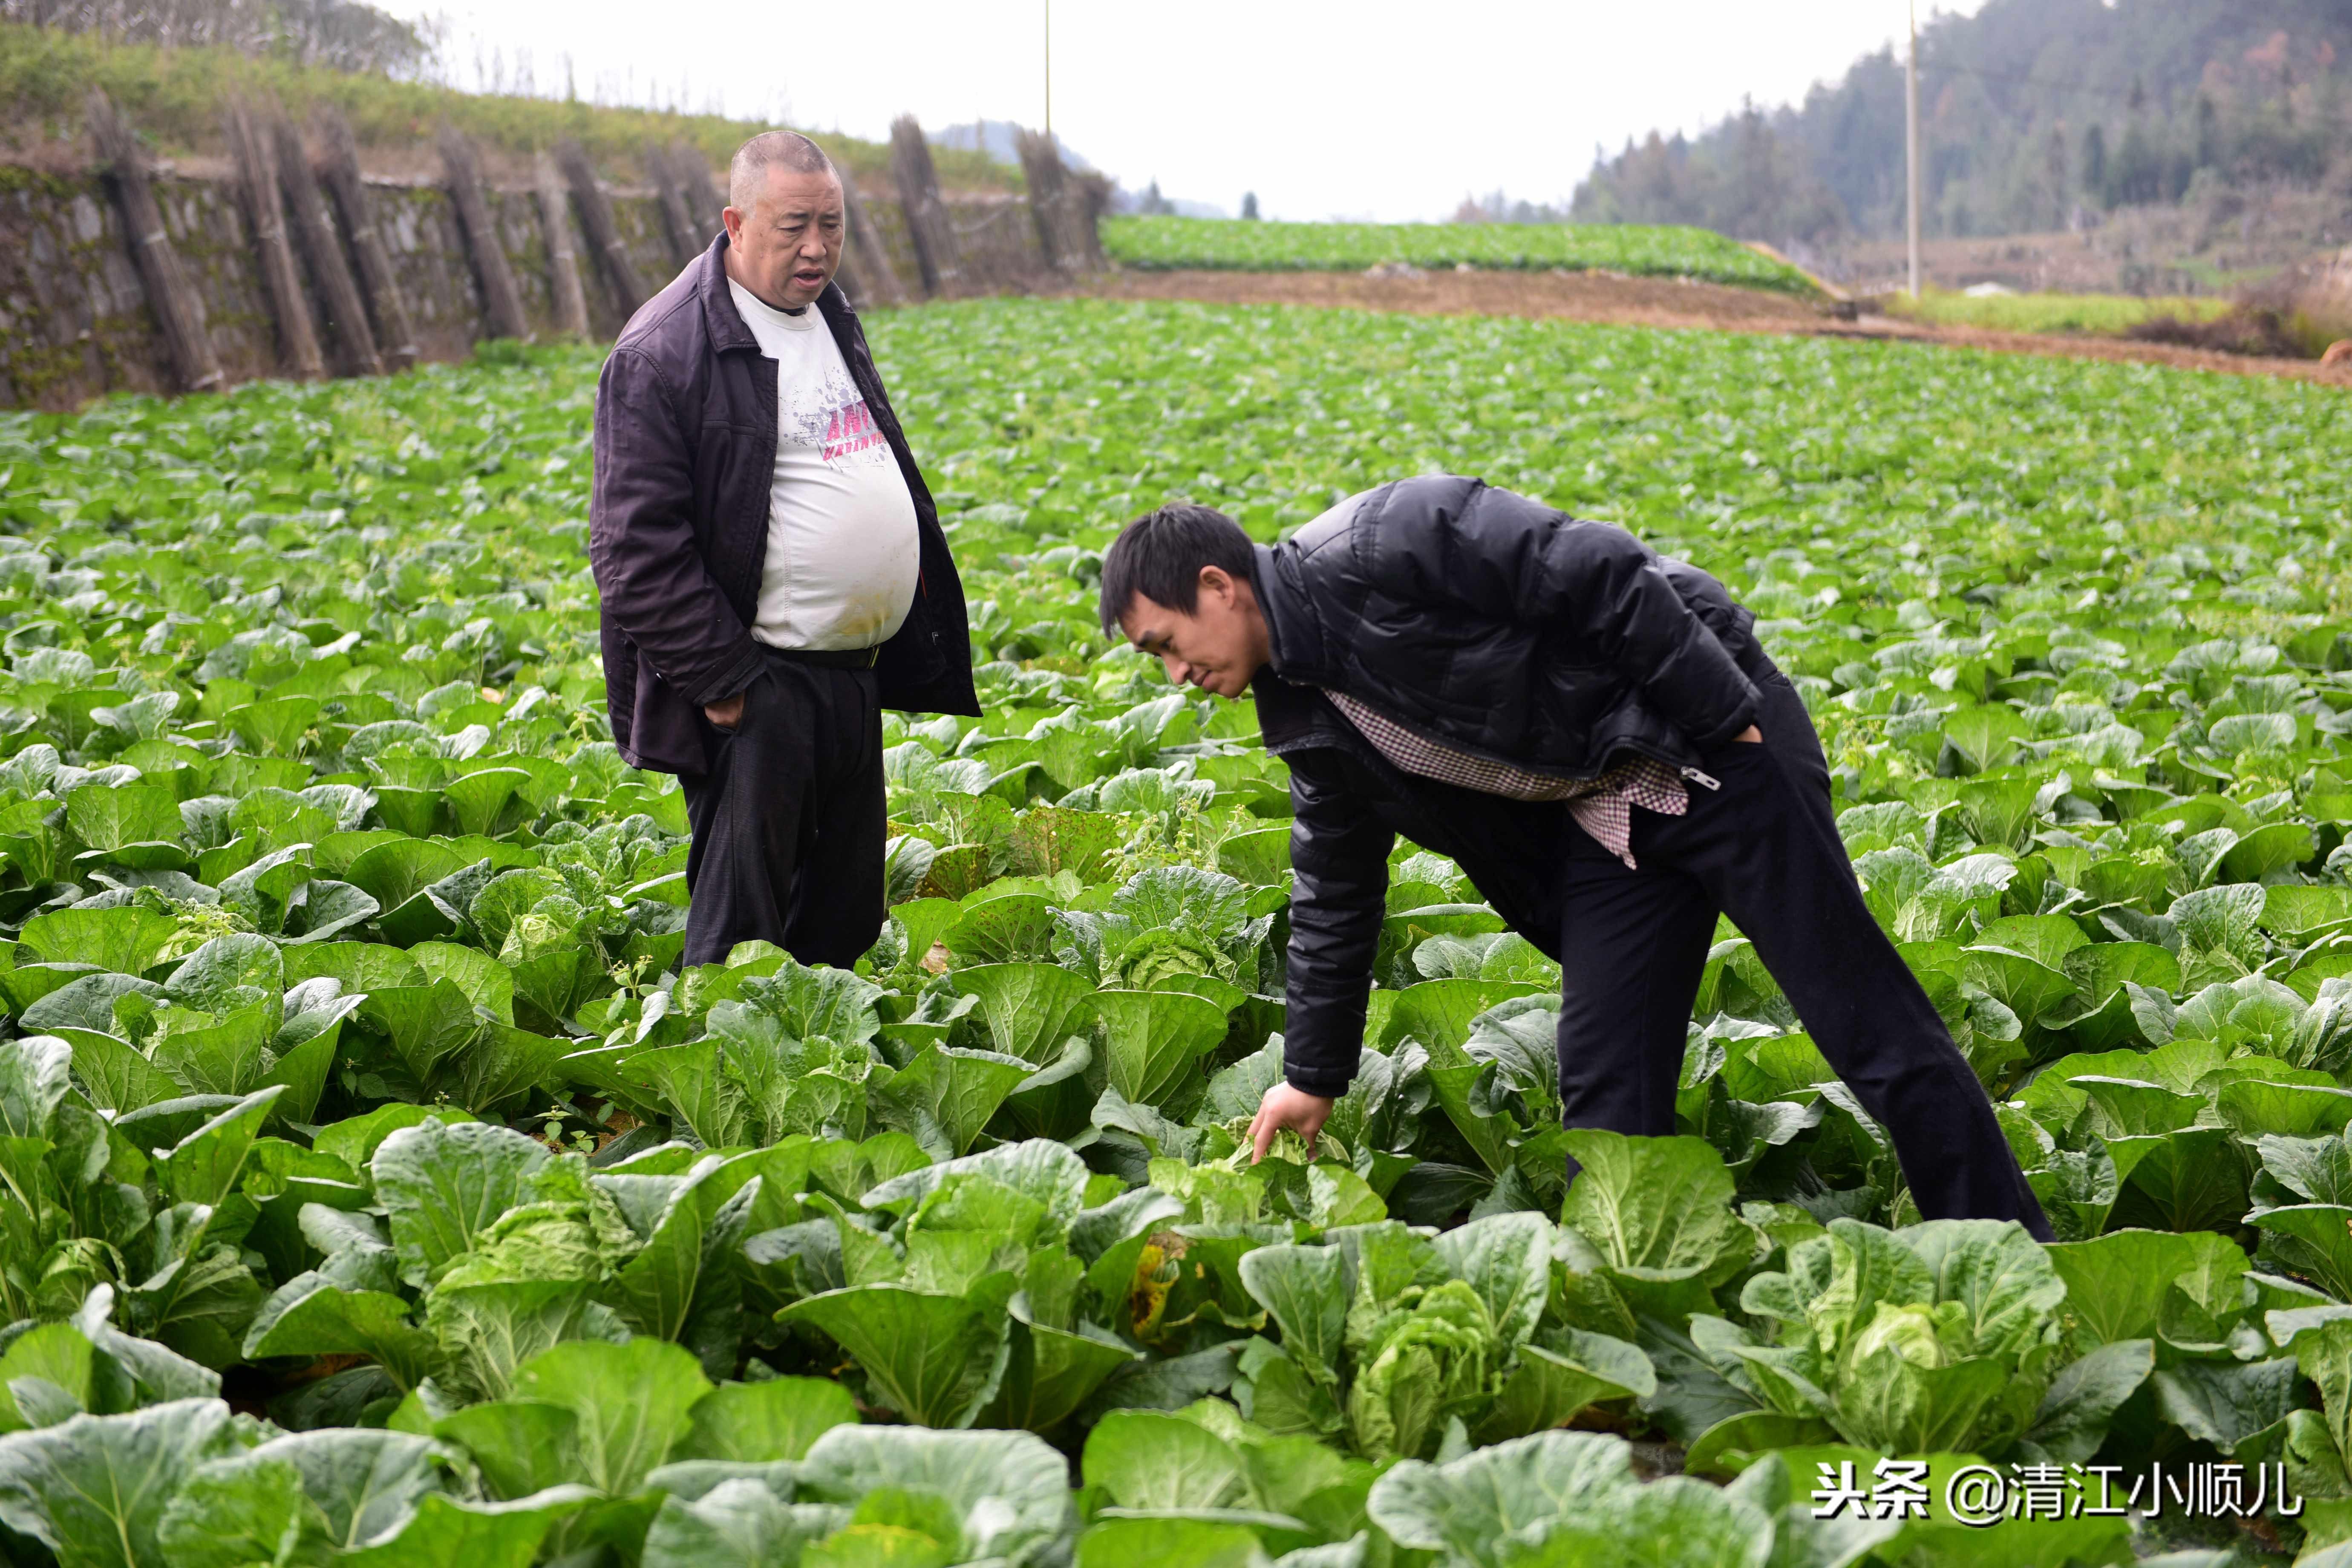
x,y
323,251
603,234
179,310
676,216
869,262
257,164
501,302
1086,206
703,202
340,167
919,195
1049,199
562,265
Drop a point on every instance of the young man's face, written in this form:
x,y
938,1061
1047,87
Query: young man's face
x,y
1217,648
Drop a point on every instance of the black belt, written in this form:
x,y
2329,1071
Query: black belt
x,y
828,658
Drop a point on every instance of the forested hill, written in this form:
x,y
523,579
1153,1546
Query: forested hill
x,y
2029,110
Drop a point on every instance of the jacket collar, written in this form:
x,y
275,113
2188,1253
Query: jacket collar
x,y
1294,635
725,324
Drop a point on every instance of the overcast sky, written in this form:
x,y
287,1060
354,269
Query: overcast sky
x,y
1339,109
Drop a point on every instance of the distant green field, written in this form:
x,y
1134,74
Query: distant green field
x,y
1646,250
2103,314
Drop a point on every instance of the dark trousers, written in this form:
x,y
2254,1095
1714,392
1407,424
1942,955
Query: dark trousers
x,y
1764,850
788,822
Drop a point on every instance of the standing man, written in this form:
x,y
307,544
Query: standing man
x,y
1595,737
772,571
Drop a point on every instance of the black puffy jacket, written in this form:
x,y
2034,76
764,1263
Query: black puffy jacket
x,y
1498,627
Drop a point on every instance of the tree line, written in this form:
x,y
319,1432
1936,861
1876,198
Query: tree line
x,y
2034,114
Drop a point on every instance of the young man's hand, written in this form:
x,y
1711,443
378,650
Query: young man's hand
x,y
726,712
1294,1109
1752,735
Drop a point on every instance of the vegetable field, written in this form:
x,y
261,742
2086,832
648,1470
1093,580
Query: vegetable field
x,y
1643,250
371,1192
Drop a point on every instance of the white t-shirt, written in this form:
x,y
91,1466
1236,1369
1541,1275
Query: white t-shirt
x,y
842,561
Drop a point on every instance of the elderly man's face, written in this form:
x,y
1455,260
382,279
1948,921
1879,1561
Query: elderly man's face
x,y
786,247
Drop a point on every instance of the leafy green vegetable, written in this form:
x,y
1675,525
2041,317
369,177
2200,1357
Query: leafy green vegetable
x,y
346,1020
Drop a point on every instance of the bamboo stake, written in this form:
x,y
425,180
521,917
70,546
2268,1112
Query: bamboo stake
x,y
1089,200
702,201
562,264
322,250
874,271
257,163
501,302
1041,164
676,217
179,311
340,167
919,195
603,234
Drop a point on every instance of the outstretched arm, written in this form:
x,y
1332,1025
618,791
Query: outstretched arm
x,y
1339,855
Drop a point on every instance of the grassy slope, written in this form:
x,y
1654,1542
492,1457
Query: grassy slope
x,y
2107,315
176,97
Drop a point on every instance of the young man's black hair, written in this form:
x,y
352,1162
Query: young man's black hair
x,y
1595,737
1159,555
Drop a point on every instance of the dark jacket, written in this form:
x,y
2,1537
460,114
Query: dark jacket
x,y
677,522
1497,626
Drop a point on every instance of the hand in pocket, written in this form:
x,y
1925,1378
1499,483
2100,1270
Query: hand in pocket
x,y
725,714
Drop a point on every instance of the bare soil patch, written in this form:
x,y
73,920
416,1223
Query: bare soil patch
x,y
1653,302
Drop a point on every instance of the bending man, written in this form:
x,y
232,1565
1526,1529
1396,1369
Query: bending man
x,y
1594,736
773,570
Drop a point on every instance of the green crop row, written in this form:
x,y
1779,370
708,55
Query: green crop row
x,y
1642,250
348,1085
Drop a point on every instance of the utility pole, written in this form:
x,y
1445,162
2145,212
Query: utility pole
x,y
1049,69
1911,142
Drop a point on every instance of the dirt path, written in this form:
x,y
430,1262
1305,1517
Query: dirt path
x,y
1650,302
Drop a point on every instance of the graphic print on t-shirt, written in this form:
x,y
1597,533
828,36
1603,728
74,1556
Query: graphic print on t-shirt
x,y
844,558
852,431
826,411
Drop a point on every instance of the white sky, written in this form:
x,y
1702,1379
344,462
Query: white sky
x,y
1343,108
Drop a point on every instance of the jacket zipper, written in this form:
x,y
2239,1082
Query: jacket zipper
x,y
1703,780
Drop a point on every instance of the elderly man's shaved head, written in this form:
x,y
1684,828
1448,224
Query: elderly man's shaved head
x,y
747,173
785,220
